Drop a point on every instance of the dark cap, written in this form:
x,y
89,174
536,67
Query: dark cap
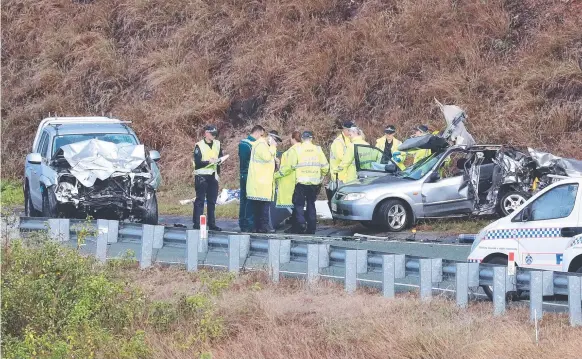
x,y
422,128
275,135
348,124
390,129
307,134
212,129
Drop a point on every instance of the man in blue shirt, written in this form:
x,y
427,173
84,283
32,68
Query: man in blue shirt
x,y
245,215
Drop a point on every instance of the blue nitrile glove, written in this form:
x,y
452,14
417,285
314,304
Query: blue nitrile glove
x,y
396,157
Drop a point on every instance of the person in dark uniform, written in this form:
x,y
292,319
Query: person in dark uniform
x,y
206,170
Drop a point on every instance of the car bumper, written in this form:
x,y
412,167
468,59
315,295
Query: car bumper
x,y
352,210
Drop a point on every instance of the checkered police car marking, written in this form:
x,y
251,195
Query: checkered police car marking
x,y
524,233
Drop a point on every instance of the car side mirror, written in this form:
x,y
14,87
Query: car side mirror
x,y
526,214
34,158
434,177
155,155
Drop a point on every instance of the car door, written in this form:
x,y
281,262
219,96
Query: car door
x,y
369,162
35,173
543,236
445,191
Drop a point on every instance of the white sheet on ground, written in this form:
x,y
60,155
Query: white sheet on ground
x,y
95,159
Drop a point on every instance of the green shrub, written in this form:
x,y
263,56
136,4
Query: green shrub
x,y
11,193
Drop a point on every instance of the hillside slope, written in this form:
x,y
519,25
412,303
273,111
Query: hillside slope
x,y
171,66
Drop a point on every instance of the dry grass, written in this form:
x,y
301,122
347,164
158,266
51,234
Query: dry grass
x,y
263,320
172,66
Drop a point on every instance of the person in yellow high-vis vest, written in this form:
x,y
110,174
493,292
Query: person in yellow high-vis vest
x,y
337,151
420,154
285,176
366,156
260,180
388,144
311,167
206,170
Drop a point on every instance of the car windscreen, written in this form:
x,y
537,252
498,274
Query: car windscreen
x,y
116,138
422,167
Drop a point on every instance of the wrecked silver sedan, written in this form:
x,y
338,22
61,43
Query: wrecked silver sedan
x,y
459,178
91,166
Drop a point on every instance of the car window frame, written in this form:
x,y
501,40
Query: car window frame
x,y
357,158
437,167
43,145
95,134
519,216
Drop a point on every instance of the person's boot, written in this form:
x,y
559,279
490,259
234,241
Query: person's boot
x,y
215,228
196,226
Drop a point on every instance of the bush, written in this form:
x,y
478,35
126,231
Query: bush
x,y
11,193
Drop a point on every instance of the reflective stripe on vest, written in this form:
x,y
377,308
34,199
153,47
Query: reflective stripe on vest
x,y
332,155
308,167
207,154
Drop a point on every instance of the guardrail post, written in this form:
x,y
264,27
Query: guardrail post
x,y
245,245
113,234
10,227
147,246
574,300
274,259
536,286
462,284
351,271
399,266
436,270
59,229
324,255
499,292
548,281
202,242
312,263
233,253
158,237
473,280
425,278
362,261
192,239
102,238
285,251
388,275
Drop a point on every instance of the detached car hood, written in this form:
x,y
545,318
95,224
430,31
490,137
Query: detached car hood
x,y
95,159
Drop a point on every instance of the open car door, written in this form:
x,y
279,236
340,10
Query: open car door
x,y
369,162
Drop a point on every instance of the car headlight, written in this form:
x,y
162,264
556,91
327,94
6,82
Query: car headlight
x,y
354,196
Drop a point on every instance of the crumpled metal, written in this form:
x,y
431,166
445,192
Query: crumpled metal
x,y
572,167
95,159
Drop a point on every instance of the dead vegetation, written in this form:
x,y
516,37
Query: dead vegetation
x,y
171,66
263,320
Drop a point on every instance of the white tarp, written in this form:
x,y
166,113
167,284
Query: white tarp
x,y
95,159
455,131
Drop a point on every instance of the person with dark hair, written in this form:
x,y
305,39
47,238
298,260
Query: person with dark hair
x,y
260,179
419,154
285,177
206,170
388,144
245,214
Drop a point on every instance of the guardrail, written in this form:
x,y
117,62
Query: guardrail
x,y
317,256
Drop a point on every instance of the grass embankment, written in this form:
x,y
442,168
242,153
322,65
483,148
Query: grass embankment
x,y
11,193
173,66
56,303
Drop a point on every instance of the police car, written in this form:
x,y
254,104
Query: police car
x,y
543,233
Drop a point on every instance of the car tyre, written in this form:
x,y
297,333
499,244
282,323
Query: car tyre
x,y
370,224
509,202
49,204
29,210
510,296
151,210
393,215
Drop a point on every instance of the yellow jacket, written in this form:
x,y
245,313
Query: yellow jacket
x,y
285,178
381,144
420,154
339,147
311,164
347,165
261,168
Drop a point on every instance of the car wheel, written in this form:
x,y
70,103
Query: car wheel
x,y
29,210
488,289
393,215
151,210
49,204
510,201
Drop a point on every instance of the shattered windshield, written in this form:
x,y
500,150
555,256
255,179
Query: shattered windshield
x,y
422,167
116,138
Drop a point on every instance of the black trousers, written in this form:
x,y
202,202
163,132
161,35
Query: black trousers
x,y
305,196
245,214
206,187
261,215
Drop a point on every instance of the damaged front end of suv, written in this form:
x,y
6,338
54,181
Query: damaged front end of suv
x,y
104,180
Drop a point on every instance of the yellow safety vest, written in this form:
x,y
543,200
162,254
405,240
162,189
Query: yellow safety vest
x,y
348,163
207,154
381,144
311,165
420,154
285,177
261,168
339,148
